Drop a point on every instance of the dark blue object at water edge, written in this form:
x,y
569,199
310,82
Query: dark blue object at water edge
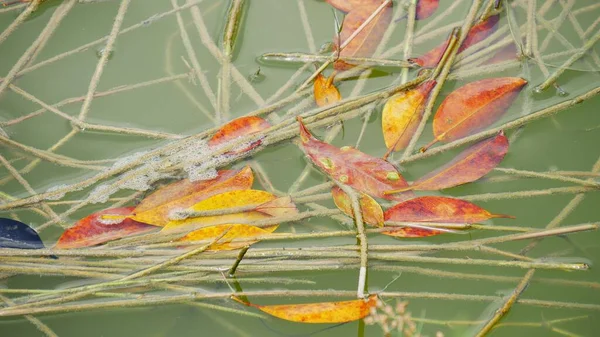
x,y
15,234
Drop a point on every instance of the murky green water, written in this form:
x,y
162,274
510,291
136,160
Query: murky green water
x,y
567,141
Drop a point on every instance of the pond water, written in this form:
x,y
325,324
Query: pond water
x,y
156,80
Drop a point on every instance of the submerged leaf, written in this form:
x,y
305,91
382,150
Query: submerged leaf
x,y
425,8
348,165
325,92
343,5
371,211
237,128
93,230
477,34
473,107
237,232
470,165
155,208
410,232
321,312
15,234
440,210
508,52
402,114
366,41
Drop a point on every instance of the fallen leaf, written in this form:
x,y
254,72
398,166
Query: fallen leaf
x,y
477,34
507,53
410,232
15,234
343,5
321,312
348,165
473,107
237,128
236,232
402,115
438,209
425,8
325,92
366,41
155,208
371,211
279,207
93,230
249,199
470,165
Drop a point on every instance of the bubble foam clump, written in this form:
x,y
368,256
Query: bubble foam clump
x,y
101,193
57,195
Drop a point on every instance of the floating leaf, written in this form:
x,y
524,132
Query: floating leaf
x,y
477,33
410,232
348,165
325,92
473,107
155,208
343,5
237,128
249,199
371,211
93,230
279,207
439,209
322,312
15,234
235,232
470,165
402,114
425,8
367,40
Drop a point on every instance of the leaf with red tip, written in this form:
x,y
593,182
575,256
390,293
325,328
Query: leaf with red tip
x,y
371,211
366,41
184,194
440,210
473,107
237,128
92,230
402,114
352,167
470,165
477,34
322,312
325,92
425,8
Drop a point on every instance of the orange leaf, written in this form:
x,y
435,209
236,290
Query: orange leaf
x,y
425,8
473,107
470,165
348,165
325,92
365,42
477,33
236,232
322,312
439,209
371,211
92,230
402,114
240,127
343,5
184,194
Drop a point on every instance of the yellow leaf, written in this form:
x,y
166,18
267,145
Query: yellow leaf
x,y
237,232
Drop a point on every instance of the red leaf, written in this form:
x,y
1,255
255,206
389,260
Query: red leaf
x,y
470,165
473,107
363,172
91,230
440,210
237,128
365,43
425,8
477,33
